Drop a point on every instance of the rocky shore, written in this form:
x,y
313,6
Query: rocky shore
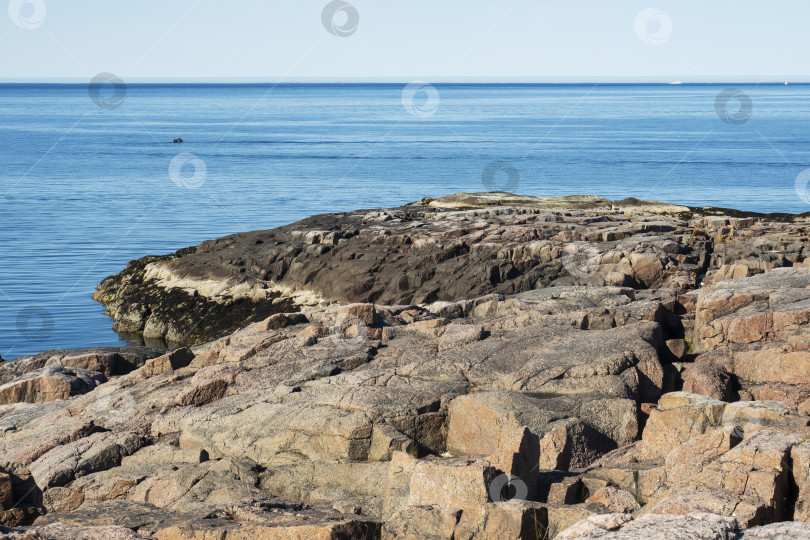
x,y
478,366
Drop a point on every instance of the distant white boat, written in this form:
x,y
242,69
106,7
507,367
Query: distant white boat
x,y
676,82
786,83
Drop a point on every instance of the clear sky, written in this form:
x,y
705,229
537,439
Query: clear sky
x,y
432,40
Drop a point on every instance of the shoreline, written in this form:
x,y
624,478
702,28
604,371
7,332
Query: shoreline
x,y
622,365
164,297
136,338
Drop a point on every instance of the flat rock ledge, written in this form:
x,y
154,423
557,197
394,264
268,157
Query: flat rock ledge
x,y
474,367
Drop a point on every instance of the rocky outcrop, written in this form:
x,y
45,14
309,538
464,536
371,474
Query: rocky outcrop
x,y
448,249
250,518
143,307
61,531
49,384
409,415
749,245
698,526
754,329
435,251
109,361
623,526
449,369
311,406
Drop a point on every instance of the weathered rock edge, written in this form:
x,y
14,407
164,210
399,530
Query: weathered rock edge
x,y
452,248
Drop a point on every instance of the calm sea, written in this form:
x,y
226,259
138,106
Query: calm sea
x,y
85,188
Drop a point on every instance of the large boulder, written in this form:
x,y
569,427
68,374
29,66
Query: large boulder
x,y
700,526
49,384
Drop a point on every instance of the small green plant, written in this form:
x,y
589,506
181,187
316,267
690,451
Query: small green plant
x,y
540,532
689,347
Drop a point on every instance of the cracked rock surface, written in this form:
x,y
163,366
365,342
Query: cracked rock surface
x,y
450,369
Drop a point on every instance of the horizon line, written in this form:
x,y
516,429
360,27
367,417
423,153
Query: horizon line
x,y
75,81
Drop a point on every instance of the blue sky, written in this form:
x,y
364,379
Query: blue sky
x,y
432,40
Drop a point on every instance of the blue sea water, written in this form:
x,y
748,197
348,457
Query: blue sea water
x,y
84,188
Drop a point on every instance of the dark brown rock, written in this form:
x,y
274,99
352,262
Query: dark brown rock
x,y
409,255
